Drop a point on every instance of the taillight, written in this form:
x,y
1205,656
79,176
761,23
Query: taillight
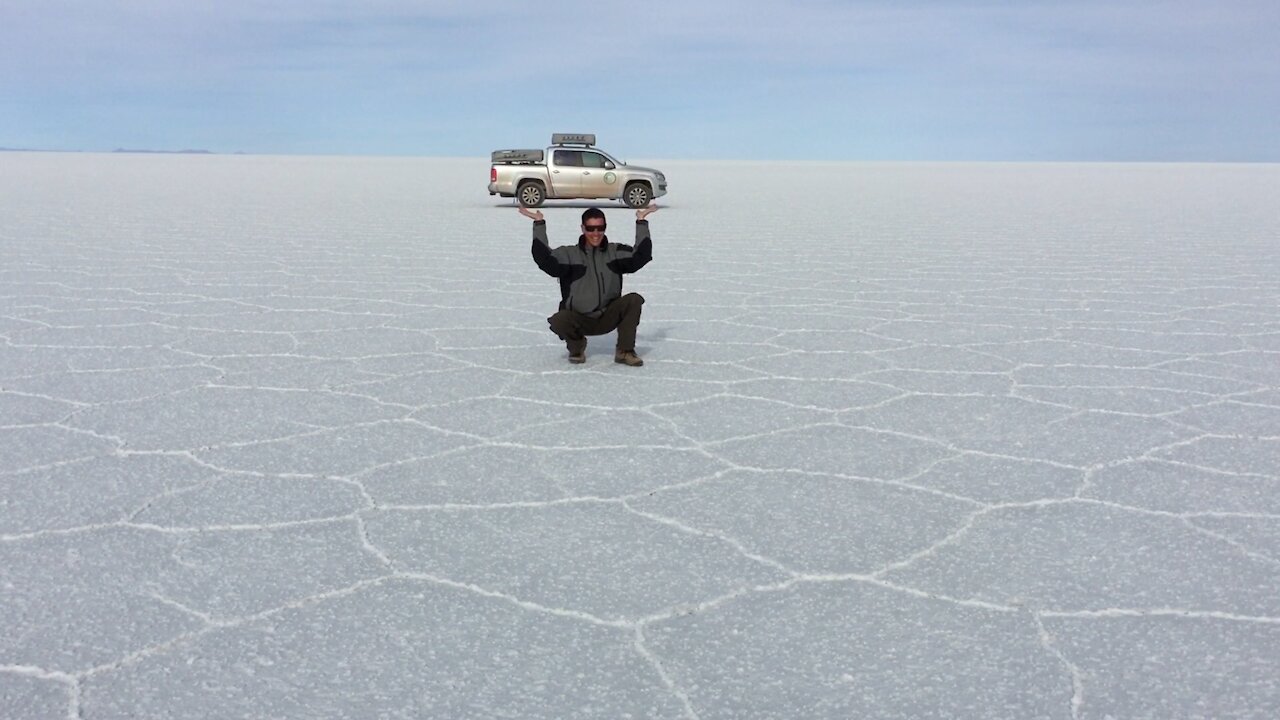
x,y
493,174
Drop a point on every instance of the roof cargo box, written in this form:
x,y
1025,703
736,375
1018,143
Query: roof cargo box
x,y
517,156
587,139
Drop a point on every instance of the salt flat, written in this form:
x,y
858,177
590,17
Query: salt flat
x,y
288,437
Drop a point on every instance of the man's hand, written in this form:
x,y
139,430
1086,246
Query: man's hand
x,y
534,215
645,212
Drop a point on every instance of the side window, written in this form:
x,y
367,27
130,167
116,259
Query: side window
x,y
568,158
592,160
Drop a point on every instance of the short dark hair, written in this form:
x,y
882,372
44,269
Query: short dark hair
x,y
590,213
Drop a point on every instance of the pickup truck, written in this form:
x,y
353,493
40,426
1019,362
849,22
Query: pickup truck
x,y
571,168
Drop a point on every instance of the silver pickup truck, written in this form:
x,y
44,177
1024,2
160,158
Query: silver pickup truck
x,y
571,168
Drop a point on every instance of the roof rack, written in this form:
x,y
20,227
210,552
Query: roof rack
x,y
586,139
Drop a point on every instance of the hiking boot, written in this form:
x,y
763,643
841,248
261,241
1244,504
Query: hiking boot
x,y
627,357
578,358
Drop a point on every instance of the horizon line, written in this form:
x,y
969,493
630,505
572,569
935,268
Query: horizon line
x,y
243,153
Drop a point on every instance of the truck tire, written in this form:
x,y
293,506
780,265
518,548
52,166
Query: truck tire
x,y
531,194
637,195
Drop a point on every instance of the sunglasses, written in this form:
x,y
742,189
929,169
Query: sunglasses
x,y
593,228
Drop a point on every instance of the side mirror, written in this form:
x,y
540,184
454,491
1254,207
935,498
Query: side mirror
x,y
609,165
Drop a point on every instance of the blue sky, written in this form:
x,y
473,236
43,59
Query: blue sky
x,y
1122,80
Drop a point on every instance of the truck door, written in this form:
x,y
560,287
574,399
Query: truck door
x,y
566,173
599,179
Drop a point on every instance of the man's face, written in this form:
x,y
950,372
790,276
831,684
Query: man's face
x,y
593,229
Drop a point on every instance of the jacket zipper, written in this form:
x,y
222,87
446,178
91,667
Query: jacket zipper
x,y
595,269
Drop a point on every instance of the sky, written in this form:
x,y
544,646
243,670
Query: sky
x,y
914,80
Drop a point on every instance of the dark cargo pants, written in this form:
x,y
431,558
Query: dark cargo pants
x,y
622,314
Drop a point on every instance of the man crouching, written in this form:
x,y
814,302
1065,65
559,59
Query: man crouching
x,y
590,274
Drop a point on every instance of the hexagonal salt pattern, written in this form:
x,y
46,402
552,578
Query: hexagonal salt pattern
x,y
289,438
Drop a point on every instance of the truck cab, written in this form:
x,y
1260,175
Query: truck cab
x,y
583,172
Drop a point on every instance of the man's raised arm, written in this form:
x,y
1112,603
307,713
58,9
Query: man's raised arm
x,y
642,253
542,254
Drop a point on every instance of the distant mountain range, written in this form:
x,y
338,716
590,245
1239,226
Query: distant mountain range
x,y
123,150
165,152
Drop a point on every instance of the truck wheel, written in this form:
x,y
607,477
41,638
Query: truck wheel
x,y
531,194
637,195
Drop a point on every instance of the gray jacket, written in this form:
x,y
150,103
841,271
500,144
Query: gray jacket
x,y
591,278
